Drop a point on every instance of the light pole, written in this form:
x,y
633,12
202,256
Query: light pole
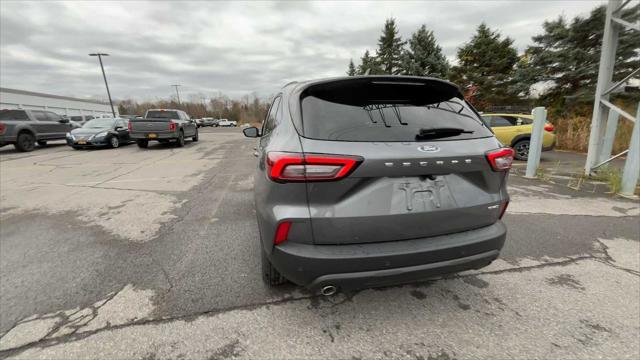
x,y
177,93
100,55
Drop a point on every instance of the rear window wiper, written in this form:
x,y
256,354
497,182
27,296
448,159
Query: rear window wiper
x,y
438,133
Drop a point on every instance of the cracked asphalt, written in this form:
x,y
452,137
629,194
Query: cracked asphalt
x,y
153,254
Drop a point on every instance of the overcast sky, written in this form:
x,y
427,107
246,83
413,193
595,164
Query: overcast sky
x,y
236,48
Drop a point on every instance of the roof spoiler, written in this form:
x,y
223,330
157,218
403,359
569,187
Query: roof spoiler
x,y
366,90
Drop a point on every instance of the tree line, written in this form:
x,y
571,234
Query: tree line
x,y
562,61
247,109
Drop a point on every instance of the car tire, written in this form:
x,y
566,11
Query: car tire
x,y
42,143
270,275
521,149
114,142
25,142
180,142
143,144
196,136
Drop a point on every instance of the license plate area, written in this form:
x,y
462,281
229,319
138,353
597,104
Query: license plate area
x,y
82,142
152,136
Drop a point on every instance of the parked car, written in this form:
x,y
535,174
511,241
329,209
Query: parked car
x,y
163,125
25,128
208,121
515,130
389,179
227,123
103,132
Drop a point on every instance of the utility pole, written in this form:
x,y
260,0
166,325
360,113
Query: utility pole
x,y
177,92
100,55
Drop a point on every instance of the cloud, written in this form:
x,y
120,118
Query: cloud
x,y
232,47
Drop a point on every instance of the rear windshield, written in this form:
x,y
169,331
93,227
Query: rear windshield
x,y
387,121
13,115
162,115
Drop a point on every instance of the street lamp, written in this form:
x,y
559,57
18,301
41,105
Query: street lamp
x,y
100,55
177,93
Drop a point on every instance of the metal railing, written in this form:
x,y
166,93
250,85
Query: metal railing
x,y
603,134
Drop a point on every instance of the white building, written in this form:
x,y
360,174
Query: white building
x,y
63,105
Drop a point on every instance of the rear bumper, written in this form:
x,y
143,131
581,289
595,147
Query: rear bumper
x,y
389,263
159,136
550,147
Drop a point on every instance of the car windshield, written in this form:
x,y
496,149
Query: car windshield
x,y
99,124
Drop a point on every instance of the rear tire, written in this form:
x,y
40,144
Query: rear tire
x,y
270,275
521,149
143,144
25,142
195,137
42,143
180,142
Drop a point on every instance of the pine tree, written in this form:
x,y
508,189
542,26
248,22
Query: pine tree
x,y
369,63
567,55
390,47
487,63
352,68
424,57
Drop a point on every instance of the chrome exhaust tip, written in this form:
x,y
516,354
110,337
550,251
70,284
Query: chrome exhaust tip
x,y
328,290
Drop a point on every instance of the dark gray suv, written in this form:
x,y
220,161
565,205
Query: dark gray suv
x,y
376,180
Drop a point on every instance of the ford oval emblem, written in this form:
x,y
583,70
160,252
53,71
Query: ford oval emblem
x,y
428,148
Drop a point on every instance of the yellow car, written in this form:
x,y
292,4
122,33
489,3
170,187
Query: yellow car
x,y
515,130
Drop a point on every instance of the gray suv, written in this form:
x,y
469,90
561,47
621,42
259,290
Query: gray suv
x,y
374,181
25,128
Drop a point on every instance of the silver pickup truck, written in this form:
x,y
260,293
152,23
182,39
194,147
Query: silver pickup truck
x,y
25,128
163,125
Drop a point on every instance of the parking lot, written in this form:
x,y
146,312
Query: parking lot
x,y
153,253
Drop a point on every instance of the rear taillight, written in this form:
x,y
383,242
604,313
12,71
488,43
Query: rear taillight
x,y
549,127
129,125
283,167
3,128
503,209
282,232
500,159
172,125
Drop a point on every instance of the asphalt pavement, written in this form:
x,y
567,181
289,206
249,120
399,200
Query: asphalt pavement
x,y
153,253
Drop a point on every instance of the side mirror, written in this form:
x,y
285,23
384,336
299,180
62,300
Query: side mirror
x,y
119,128
251,132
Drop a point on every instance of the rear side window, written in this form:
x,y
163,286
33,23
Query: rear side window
x,y
270,122
40,115
13,115
53,116
76,118
382,120
497,121
163,115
